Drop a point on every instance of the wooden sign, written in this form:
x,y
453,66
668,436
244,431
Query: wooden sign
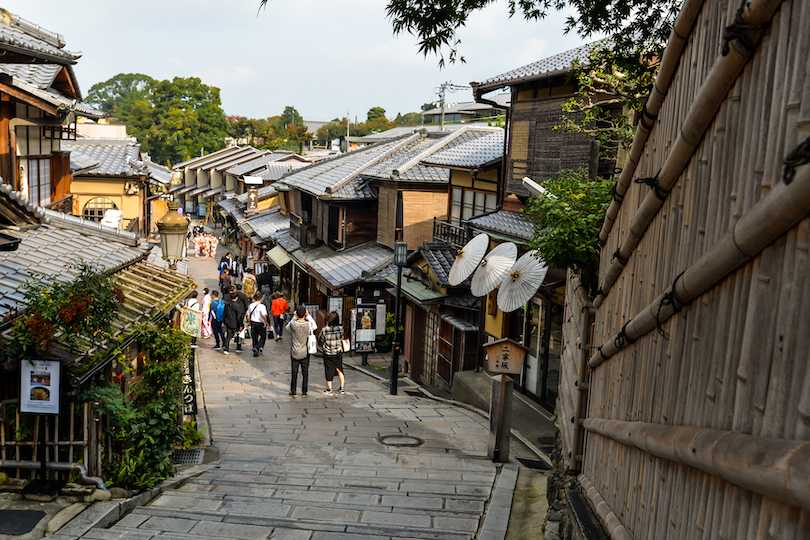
x,y
190,321
189,385
252,201
505,356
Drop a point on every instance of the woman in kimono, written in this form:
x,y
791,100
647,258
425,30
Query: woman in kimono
x,y
206,310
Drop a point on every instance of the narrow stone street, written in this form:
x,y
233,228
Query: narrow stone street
x,y
363,465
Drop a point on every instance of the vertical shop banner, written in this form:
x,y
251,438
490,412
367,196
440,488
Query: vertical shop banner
x,y
39,386
189,385
380,327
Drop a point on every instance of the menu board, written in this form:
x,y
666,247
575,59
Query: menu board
x,y
39,386
366,328
335,303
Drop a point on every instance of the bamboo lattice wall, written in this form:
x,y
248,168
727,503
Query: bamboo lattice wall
x,y
736,359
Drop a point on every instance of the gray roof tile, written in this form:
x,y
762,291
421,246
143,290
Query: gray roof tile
x,y
347,267
285,240
21,36
510,224
440,257
268,223
470,154
116,157
548,67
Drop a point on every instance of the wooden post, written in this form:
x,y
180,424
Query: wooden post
x,y
500,418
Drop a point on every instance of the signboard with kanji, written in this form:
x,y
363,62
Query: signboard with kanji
x,y
189,385
505,356
252,201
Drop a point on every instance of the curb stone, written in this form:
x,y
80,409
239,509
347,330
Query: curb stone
x,y
497,514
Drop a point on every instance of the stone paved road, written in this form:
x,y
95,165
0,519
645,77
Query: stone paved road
x,y
316,468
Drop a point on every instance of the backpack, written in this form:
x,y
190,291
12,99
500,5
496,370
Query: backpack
x,y
218,309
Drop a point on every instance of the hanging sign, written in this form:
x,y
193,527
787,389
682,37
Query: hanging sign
x,y
39,386
190,321
252,201
189,385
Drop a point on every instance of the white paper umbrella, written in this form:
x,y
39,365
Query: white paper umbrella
x,y
468,258
521,282
493,268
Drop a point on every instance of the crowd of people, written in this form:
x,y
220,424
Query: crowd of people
x,y
205,244
245,307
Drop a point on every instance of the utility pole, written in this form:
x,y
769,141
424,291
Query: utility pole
x,y
442,90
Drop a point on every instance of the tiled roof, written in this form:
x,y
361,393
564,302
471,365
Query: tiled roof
x,y
49,248
471,106
276,171
116,157
245,154
470,154
266,224
256,163
510,224
158,172
285,240
231,208
36,79
155,258
339,174
23,37
548,67
39,75
80,162
440,257
346,267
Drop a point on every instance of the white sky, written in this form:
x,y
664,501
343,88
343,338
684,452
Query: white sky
x,y
320,57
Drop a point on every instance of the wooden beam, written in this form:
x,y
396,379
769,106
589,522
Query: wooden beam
x,y
29,99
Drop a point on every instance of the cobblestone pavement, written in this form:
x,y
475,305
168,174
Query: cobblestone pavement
x,y
326,467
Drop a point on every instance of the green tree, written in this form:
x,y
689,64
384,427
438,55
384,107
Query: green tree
x,y
332,130
435,23
375,113
409,119
118,95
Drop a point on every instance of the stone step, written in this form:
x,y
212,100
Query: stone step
x,y
204,524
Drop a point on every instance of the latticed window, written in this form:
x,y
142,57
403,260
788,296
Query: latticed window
x,y
467,204
95,208
39,181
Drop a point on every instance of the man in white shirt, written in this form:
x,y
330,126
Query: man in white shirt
x,y
194,304
257,313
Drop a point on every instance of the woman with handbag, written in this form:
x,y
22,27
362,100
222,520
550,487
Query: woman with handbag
x,y
331,339
301,327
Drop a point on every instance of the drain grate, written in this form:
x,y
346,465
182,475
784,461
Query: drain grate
x,y
18,522
193,456
400,440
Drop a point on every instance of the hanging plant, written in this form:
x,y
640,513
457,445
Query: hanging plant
x,y
78,310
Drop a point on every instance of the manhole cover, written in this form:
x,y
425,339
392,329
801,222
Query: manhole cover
x,y
18,522
193,456
400,440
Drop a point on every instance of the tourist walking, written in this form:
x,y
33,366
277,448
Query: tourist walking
x,y
279,308
331,340
300,327
225,282
216,318
234,317
249,284
206,312
257,314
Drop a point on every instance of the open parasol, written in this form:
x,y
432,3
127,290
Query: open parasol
x,y
493,268
468,258
521,282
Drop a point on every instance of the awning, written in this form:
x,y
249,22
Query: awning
x,y
416,291
185,190
211,192
199,190
278,256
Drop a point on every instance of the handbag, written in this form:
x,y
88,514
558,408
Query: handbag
x,y
312,343
347,346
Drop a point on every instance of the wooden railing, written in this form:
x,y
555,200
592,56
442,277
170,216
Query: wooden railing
x,y
64,205
452,234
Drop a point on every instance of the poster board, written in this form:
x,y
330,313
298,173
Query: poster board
x,y
40,386
366,328
190,321
335,303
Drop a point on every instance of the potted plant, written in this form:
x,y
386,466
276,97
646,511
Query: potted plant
x,y
385,341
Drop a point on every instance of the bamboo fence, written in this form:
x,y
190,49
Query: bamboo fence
x,y
698,383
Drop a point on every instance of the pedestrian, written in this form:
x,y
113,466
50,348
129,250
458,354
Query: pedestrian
x,y
300,327
244,303
215,316
331,339
206,312
225,282
257,314
234,318
249,284
279,308
194,304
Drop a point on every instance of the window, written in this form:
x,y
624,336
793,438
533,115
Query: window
x,y
467,204
39,181
95,208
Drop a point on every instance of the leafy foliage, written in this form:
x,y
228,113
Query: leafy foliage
x,y
375,113
173,120
567,221
285,132
436,23
143,423
606,81
78,310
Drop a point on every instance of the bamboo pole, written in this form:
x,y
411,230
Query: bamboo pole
x,y
614,527
703,109
771,217
775,468
669,64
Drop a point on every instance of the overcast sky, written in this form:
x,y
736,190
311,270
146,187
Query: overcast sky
x,y
323,58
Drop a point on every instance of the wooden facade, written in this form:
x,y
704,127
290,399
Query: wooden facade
x,y
687,415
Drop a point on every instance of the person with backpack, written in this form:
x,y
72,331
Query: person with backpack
x,y
257,314
234,318
216,315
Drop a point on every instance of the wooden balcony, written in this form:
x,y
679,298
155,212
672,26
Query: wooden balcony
x,y
453,235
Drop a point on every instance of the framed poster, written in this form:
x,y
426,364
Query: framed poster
x,y
335,303
365,323
312,308
39,386
190,321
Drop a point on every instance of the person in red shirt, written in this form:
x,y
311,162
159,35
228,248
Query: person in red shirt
x,y
279,307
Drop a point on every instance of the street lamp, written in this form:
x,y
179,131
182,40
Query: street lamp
x,y
173,229
400,259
